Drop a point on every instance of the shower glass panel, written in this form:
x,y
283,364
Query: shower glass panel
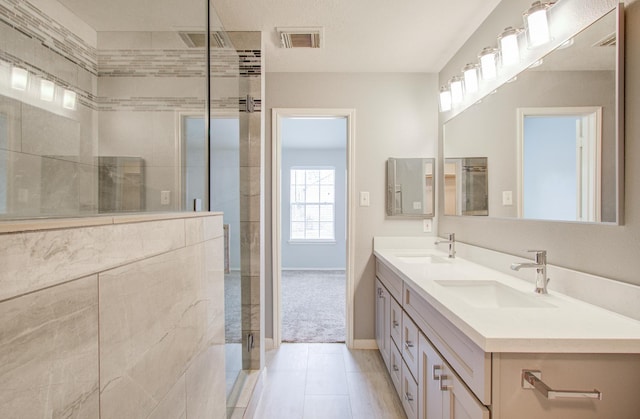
x,y
91,104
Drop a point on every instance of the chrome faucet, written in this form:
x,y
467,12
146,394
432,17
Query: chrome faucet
x,y
540,264
451,240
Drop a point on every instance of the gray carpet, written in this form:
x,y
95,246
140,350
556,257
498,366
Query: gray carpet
x,y
313,306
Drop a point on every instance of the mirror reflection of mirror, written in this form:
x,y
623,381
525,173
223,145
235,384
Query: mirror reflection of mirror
x,y
551,135
466,186
410,187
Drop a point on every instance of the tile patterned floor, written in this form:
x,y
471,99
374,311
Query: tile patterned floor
x,y
328,381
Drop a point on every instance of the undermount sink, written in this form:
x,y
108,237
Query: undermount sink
x,y
492,294
421,258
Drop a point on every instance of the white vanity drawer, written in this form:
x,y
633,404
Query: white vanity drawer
x,y
396,322
395,368
389,279
469,361
409,393
410,343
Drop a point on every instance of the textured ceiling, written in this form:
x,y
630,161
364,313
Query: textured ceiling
x,y
359,35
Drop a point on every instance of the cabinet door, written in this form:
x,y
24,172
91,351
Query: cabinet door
x,y
383,336
430,368
409,393
459,402
410,343
395,367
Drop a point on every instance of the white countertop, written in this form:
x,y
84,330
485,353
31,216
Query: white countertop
x,y
566,325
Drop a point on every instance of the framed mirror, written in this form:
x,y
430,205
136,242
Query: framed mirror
x,y
554,134
410,187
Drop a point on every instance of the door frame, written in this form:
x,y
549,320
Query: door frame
x,y
277,115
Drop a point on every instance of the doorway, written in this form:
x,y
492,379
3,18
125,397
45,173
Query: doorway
x,y
559,163
312,280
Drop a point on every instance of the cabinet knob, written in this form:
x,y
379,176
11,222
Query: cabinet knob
x,y
408,344
395,324
395,368
408,397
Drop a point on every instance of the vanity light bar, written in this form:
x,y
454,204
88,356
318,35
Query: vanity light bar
x,y
462,88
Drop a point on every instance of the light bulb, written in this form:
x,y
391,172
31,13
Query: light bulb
x,y
470,72
488,63
445,99
509,48
457,90
537,24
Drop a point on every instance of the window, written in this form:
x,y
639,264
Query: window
x,y
312,204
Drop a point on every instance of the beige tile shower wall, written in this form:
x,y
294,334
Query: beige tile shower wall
x,y
149,81
139,336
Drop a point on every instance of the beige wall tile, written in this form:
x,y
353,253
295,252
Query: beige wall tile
x,y
35,260
174,404
158,317
49,353
206,385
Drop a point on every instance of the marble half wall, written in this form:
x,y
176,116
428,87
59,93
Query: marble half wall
x,y
141,336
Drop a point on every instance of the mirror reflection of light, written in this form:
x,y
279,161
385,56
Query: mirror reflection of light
x,y
47,90
69,99
19,78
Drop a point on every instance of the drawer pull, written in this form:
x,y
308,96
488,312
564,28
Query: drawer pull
x,y
395,324
408,344
531,380
395,368
443,387
435,372
408,397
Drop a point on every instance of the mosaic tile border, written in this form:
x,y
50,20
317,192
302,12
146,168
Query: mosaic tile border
x,y
32,22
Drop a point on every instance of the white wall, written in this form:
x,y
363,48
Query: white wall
x,y
396,116
606,250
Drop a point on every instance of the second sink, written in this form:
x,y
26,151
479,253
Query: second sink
x,y
492,294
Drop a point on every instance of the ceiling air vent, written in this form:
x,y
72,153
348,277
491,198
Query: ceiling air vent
x,y
300,37
607,41
198,39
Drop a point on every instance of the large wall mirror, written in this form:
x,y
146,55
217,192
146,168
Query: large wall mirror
x,y
553,135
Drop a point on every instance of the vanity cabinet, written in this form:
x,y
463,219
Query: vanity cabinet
x,y
383,334
440,372
442,392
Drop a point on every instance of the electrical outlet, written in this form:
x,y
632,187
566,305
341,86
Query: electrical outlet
x,y
426,225
417,205
165,197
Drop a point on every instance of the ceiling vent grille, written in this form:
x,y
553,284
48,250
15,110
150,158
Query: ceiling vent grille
x,y
607,41
300,37
198,39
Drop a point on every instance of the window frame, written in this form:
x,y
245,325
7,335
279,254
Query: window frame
x,y
318,240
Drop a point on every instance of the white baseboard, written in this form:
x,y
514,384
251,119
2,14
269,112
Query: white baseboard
x,y
365,344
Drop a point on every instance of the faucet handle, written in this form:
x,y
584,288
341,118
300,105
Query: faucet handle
x,y
540,257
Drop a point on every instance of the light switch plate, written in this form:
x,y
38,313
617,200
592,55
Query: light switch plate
x,y
426,225
507,198
165,197
364,199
